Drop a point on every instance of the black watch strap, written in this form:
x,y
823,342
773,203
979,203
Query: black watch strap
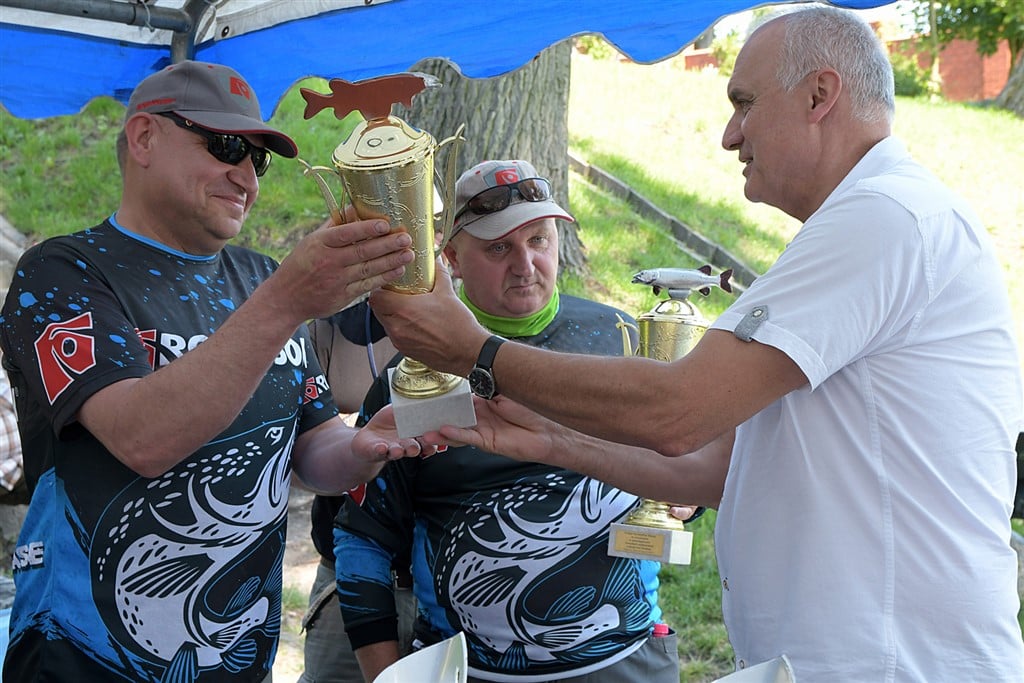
x,y
481,377
488,351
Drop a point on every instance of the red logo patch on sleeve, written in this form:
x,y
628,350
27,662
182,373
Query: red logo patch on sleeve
x,y
312,389
64,352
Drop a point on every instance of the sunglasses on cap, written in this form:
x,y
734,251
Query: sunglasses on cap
x,y
226,147
497,198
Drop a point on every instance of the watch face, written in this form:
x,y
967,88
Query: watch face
x,y
481,382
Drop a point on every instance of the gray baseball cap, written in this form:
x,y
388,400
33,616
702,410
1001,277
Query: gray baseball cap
x,y
213,96
518,212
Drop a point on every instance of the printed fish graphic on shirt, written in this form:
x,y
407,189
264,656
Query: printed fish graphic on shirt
x,y
174,568
497,581
679,283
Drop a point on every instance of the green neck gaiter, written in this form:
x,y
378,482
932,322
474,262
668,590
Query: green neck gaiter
x,y
514,327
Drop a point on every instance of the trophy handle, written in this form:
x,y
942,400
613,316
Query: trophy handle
x,y
625,328
332,203
447,184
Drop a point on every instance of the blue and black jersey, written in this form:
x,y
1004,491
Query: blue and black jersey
x,y
515,554
121,577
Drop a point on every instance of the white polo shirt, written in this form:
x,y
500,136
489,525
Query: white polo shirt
x,y
864,529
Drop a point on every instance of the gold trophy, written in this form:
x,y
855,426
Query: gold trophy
x,y
387,171
667,332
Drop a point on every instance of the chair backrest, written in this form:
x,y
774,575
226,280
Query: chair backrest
x,y
776,670
444,662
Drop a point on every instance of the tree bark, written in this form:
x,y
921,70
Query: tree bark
x,y
519,115
1012,96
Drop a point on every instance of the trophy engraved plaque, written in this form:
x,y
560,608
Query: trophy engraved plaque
x,y
387,171
667,332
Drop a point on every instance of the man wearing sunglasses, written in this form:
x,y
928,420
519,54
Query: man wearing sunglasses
x,y
514,554
167,393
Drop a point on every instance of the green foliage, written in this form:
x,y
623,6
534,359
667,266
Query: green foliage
x,y
986,21
725,49
912,80
690,596
595,46
60,174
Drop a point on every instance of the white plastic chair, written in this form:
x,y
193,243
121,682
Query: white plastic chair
x,y
444,662
776,670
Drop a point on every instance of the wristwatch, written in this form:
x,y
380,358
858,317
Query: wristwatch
x,y
481,377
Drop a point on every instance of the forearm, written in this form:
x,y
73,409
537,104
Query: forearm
x,y
324,460
695,478
376,657
141,421
672,408
634,401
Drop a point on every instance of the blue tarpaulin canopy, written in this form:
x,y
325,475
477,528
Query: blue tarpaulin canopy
x,y
60,54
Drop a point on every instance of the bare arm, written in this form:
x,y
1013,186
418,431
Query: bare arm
x,y
332,457
504,426
673,408
376,657
152,423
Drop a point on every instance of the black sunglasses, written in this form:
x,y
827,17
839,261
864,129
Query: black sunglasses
x,y
497,198
226,147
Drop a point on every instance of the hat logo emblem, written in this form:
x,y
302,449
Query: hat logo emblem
x,y
506,176
240,87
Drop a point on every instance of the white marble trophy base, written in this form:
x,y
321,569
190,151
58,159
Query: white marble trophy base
x,y
416,416
671,546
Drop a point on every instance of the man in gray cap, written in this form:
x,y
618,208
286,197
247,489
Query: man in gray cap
x,y
167,393
514,554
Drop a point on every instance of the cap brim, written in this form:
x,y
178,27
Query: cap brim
x,y
221,122
494,226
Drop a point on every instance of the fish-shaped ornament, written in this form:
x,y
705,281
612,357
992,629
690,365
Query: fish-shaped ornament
x,y
372,97
679,283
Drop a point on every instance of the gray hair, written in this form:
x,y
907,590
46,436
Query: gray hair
x,y
819,37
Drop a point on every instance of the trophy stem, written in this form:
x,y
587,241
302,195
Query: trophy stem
x,y
413,379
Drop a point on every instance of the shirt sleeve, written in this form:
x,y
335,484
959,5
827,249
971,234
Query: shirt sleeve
x,y
850,282
66,333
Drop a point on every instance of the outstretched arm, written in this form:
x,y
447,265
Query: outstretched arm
x,y
506,427
673,408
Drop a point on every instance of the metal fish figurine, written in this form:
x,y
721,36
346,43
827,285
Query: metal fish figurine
x,y
372,97
680,283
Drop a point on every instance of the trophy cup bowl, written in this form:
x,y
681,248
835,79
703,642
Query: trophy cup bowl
x,y
387,171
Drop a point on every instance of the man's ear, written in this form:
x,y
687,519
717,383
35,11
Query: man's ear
x,y
826,88
139,133
453,261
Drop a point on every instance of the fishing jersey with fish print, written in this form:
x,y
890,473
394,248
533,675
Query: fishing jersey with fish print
x,y
515,554
118,576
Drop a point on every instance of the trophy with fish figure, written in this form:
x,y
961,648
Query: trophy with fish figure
x,y
387,171
667,332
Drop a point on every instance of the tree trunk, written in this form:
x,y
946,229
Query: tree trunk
x,y
1012,96
519,115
